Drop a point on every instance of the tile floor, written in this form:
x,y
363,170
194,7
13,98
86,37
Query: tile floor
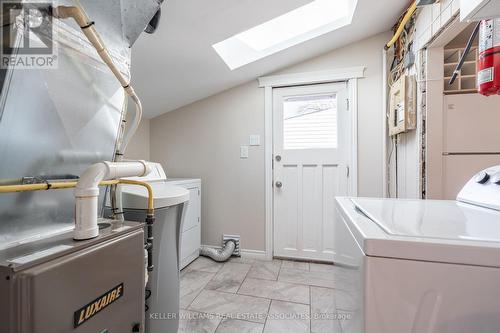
x,y
254,296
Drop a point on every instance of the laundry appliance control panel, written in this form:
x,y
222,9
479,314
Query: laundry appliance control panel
x,y
483,189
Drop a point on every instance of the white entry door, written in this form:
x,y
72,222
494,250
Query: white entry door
x,y
311,131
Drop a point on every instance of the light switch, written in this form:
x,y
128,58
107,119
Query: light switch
x,y
244,152
254,140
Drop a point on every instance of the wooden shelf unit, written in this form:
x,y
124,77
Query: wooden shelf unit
x,y
467,78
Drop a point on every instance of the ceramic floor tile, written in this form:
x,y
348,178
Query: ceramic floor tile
x,y
285,317
323,300
324,315
347,279
350,321
325,326
239,326
295,265
229,278
194,322
231,305
192,282
275,290
241,260
318,279
267,270
205,265
345,301
314,267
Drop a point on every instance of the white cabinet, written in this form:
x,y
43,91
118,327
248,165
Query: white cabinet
x,y
191,229
475,10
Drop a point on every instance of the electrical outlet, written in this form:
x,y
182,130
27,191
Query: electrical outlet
x,y
236,239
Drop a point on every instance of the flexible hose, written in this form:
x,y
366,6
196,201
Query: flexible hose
x,y
401,26
219,254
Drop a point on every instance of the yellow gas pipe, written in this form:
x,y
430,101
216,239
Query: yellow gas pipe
x,y
148,187
67,185
401,26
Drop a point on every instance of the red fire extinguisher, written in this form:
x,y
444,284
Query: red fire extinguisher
x,y
488,64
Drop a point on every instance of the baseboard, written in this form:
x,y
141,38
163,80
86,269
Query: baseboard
x,y
254,254
246,254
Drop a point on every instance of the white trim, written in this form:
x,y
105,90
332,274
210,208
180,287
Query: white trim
x,y
353,154
350,75
297,79
254,254
384,124
268,152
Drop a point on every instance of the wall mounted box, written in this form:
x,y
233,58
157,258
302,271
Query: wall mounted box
x,y
403,106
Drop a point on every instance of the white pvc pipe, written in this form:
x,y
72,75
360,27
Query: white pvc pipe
x,y
87,192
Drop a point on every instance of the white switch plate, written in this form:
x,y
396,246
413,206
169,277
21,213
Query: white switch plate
x,y
244,152
254,140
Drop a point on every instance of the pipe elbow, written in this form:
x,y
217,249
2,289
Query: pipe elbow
x,y
87,192
88,184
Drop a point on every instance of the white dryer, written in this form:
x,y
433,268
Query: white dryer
x,y
421,266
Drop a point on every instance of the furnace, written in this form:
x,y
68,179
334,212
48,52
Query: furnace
x,y
57,284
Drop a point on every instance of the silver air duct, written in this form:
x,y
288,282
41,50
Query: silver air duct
x,y
219,254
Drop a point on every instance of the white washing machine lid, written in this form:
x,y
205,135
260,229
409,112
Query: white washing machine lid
x,y
432,219
165,195
428,230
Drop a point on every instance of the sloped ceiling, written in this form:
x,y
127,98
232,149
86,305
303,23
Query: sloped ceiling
x,y
177,65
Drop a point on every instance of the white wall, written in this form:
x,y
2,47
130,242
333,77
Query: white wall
x,y
139,146
203,140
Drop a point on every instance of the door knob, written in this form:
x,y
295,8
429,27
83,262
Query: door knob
x,y
278,158
279,184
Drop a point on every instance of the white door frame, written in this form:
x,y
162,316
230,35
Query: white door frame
x,y
348,75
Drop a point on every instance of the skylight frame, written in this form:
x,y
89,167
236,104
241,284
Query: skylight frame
x,y
246,47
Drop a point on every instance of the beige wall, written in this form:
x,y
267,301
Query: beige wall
x,y
203,140
138,148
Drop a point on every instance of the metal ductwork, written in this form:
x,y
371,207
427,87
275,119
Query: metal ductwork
x,y
59,121
219,254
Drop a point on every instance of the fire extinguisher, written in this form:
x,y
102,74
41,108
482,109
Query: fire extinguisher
x,y
488,64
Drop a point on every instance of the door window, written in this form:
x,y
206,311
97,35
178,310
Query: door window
x,y
310,122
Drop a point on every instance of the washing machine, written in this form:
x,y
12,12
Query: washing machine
x,y
170,202
428,266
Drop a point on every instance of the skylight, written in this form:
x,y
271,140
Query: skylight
x,y
295,27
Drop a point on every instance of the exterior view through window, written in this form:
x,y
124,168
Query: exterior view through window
x,y
310,122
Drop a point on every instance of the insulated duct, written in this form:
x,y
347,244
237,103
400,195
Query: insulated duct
x,y
219,254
